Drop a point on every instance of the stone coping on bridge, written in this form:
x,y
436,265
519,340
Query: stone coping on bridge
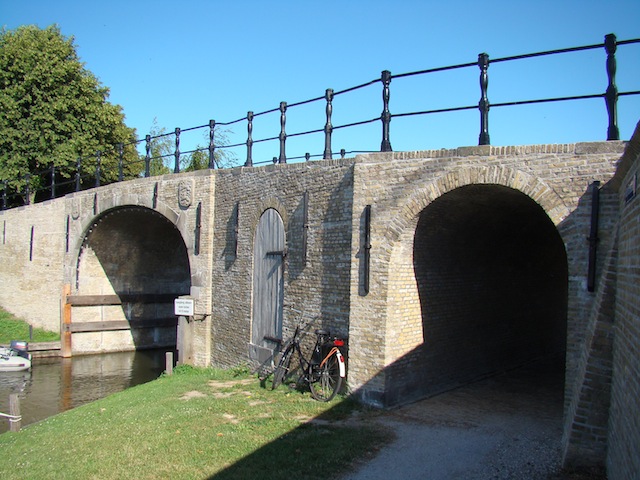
x,y
580,148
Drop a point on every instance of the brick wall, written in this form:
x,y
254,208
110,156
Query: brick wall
x,y
447,228
318,284
623,462
403,186
32,250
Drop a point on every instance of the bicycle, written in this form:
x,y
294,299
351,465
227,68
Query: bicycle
x,y
324,372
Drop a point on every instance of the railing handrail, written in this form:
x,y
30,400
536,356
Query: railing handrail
x,y
84,175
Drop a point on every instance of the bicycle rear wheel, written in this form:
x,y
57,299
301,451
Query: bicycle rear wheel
x,y
329,381
282,369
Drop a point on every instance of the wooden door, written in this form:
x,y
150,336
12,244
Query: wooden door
x,y
268,282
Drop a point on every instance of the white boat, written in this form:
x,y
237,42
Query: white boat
x,y
15,358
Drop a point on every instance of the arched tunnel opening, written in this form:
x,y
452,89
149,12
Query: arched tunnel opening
x,y
491,278
140,256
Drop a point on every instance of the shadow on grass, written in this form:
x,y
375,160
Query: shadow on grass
x,y
326,446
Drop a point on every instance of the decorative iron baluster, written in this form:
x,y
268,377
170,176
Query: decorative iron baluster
x,y
147,158
120,162
249,162
78,173
483,105
611,96
212,147
98,160
53,181
385,146
283,134
328,128
176,168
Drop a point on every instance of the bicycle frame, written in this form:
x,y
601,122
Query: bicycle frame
x,y
324,371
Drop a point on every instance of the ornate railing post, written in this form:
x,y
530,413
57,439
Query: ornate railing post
x,y
328,128
27,189
53,181
385,146
283,133
78,173
120,161
249,162
176,167
98,160
483,105
147,158
212,147
611,96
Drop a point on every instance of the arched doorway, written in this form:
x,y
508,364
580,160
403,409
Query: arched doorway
x,y
268,284
138,255
489,289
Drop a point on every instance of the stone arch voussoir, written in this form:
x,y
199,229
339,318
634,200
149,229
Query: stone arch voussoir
x,y
133,201
264,205
419,198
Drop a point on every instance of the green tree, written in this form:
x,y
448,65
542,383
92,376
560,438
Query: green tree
x,y
55,111
161,149
199,159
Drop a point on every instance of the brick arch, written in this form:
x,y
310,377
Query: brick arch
x,y
133,201
264,205
419,198
404,320
399,235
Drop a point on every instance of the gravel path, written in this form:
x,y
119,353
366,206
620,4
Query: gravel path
x,y
505,427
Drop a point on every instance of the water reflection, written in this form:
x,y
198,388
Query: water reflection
x,y
59,384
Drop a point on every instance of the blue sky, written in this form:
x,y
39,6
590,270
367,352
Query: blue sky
x,y
185,62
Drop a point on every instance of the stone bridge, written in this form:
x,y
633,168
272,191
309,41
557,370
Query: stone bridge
x,y
439,267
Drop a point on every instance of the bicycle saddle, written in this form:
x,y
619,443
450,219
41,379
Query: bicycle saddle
x,y
321,331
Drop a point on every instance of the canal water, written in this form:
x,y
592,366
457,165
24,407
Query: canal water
x,y
54,385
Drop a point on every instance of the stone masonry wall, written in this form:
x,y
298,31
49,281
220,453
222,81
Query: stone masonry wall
x,y
32,250
178,198
623,445
317,283
399,186
327,279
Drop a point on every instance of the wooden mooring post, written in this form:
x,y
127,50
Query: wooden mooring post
x,y
15,419
65,344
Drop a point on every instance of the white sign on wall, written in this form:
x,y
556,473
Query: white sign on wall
x,y
183,307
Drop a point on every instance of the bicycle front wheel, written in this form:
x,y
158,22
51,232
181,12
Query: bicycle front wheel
x,y
282,369
328,381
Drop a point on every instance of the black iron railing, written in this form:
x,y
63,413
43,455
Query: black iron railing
x,y
87,176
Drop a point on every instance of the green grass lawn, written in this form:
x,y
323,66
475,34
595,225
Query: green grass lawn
x,y
12,328
196,424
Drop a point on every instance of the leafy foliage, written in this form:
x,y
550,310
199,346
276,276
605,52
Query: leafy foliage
x,y
55,111
162,148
